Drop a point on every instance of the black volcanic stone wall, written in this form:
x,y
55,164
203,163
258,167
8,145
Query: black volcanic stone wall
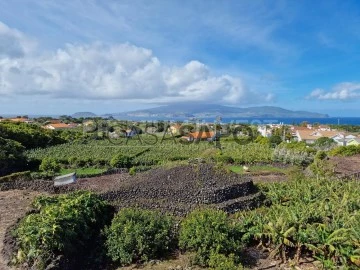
x,y
177,190
218,195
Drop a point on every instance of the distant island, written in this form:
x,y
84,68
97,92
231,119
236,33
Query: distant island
x,y
84,115
189,110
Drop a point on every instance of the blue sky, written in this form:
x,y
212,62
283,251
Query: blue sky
x,y
60,57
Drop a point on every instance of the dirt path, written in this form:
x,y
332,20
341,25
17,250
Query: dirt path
x,y
13,205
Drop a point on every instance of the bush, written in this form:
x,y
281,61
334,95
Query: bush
x,y
62,225
139,235
120,161
72,161
224,159
132,171
349,150
295,153
222,262
206,232
49,165
11,156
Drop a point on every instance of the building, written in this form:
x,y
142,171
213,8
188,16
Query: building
x,y
342,139
18,120
200,135
265,131
175,129
355,141
61,126
310,136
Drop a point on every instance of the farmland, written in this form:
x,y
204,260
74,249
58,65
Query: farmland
x,y
202,204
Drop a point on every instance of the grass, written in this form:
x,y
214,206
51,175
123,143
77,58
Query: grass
x,y
257,169
82,171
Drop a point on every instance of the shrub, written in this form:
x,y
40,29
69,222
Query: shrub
x,y
206,232
120,161
137,234
296,153
72,161
132,171
275,140
349,150
224,159
222,262
49,165
62,225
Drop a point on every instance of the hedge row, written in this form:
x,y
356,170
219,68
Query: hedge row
x,y
14,176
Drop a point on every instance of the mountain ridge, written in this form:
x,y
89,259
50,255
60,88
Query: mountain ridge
x,y
214,110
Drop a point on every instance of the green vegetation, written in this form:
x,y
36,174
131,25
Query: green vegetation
x,y
11,156
139,235
49,165
346,151
14,176
120,161
29,135
296,153
325,143
97,152
83,172
308,215
209,233
61,226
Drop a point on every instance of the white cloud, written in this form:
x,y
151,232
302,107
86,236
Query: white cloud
x,y
110,71
342,91
13,44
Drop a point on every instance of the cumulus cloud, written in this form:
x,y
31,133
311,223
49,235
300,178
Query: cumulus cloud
x,y
342,91
13,43
110,71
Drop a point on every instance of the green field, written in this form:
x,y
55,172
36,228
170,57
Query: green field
x,y
257,169
159,153
82,171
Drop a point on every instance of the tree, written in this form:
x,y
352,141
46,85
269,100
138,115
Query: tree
x,y
275,139
325,143
11,156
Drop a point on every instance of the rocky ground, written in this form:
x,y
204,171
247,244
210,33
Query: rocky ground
x,y
345,166
176,190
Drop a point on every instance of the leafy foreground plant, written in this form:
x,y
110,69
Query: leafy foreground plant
x,y
139,235
213,236
63,225
317,216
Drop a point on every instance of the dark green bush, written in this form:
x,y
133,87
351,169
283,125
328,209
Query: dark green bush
x,y
49,165
209,231
139,235
120,161
11,156
63,225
